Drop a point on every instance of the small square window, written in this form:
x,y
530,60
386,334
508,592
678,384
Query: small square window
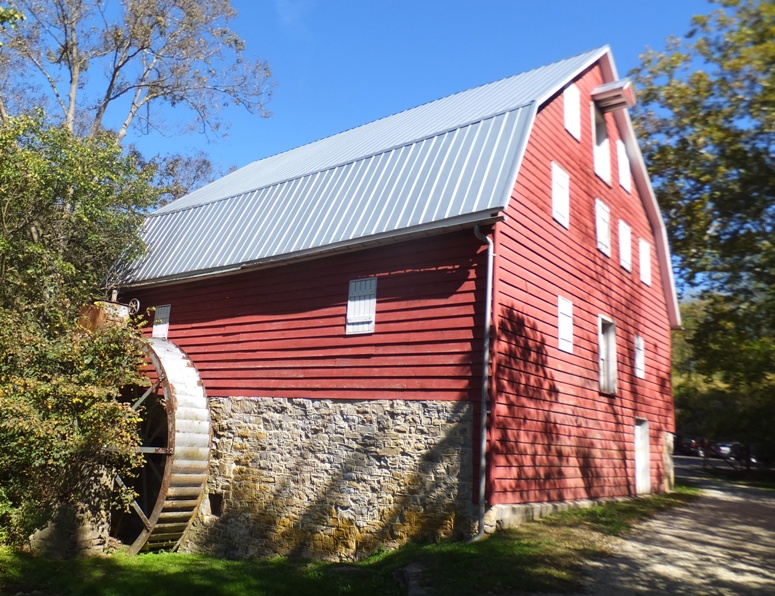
x,y
564,324
603,226
362,306
607,354
625,245
560,195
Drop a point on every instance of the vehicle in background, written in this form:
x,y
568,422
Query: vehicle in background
x,y
687,446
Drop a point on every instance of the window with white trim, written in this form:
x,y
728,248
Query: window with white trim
x,y
603,226
607,354
362,306
625,245
564,324
601,146
640,357
644,260
161,321
571,101
623,163
560,195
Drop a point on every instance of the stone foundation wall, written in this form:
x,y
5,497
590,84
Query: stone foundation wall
x,y
73,532
668,440
334,479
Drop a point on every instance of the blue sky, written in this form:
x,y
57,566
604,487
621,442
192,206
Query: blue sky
x,y
341,63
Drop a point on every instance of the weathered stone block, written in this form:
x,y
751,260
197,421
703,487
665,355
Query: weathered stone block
x,y
335,479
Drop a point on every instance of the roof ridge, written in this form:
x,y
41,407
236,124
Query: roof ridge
x,y
451,95
276,160
347,162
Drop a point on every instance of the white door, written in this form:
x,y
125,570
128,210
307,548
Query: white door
x,y
642,458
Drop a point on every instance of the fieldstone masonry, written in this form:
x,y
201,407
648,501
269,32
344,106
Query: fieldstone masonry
x,y
334,479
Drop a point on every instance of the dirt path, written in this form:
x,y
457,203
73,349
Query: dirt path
x,y
724,543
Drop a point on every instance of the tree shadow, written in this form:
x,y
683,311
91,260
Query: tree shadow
x,y
339,493
547,444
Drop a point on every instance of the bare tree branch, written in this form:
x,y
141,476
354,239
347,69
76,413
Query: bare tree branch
x,y
178,53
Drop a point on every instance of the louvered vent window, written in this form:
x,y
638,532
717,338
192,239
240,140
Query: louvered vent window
x,y
560,195
623,163
161,321
601,148
564,324
603,226
625,245
644,256
362,306
640,357
572,111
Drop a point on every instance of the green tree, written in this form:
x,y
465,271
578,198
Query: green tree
x,y
707,125
165,66
10,16
71,203
104,64
69,207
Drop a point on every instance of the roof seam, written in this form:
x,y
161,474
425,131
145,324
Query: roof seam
x,y
351,161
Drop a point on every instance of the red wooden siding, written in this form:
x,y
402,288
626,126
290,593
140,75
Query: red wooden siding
x,y
553,435
280,332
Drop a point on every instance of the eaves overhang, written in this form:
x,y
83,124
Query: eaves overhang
x,y
468,221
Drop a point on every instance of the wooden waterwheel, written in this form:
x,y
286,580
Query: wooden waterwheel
x,y
176,445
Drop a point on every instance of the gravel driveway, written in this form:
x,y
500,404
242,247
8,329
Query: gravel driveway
x,y
724,543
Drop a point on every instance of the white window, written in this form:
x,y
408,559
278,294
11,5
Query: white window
x,y
640,357
560,195
362,306
623,163
602,151
161,321
644,258
565,324
625,245
603,226
572,106
607,354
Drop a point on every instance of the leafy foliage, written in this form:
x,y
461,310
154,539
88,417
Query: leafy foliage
x,y
707,123
721,381
68,208
102,64
10,16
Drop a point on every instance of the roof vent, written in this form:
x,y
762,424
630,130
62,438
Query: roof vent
x,y
614,96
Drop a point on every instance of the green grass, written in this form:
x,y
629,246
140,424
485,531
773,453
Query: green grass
x,y
543,556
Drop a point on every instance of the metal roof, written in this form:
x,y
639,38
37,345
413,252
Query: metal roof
x,y
447,163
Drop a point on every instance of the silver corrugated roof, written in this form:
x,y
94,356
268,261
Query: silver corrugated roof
x,y
447,163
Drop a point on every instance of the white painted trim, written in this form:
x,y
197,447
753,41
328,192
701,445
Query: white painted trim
x,y
571,101
560,195
161,321
564,324
644,260
603,227
625,245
